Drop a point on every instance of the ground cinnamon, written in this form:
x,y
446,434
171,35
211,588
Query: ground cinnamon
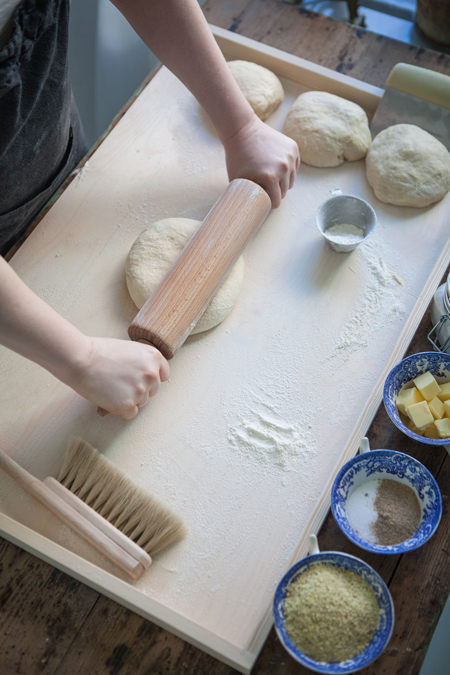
x,y
399,513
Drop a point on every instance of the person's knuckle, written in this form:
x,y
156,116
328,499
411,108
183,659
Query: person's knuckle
x,y
271,179
151,374
130,412
128,405
141,389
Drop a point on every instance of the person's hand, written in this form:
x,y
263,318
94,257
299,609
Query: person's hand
x,y
116,375
119,375
179,35
265,156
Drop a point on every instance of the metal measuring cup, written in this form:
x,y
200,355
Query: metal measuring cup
x,y
342,210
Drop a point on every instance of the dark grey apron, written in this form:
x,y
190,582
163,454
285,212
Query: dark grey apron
x,y
41,137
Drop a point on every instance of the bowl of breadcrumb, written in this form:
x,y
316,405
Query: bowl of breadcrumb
x,y
333,613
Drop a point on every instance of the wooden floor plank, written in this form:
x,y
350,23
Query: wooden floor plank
x,y
142,648
336,45
41,610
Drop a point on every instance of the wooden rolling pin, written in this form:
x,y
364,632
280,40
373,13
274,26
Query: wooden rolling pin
x,y
182,296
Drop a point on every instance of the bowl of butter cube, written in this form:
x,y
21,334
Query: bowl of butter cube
x,y
417,397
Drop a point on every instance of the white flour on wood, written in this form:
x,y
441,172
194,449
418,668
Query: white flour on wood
x,y
379,304
345,233
264,435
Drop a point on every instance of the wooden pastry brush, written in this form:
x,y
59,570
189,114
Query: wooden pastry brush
x,y
103,506
112,494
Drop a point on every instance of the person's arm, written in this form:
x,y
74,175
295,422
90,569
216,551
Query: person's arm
x,y
117,375
177,33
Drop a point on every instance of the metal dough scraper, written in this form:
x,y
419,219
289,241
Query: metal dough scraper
x,y
417,96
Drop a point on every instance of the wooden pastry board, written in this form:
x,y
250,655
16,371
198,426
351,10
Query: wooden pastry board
x,y
260,413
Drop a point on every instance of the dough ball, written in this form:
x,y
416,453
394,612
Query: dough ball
x,y
262,88
407,166
153,253
328,129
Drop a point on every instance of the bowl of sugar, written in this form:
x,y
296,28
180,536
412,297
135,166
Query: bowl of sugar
x,y
385,501
333,613
345,221
416,396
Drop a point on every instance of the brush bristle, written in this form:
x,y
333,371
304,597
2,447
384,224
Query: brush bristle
x,y
96,481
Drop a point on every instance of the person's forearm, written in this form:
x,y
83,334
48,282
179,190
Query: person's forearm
x,y
178,34
33,329
118,375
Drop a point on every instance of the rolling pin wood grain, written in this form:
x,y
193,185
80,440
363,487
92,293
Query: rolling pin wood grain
x,y
182,296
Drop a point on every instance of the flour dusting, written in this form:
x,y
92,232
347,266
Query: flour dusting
x,y
265,436
345,233
380,304
81,173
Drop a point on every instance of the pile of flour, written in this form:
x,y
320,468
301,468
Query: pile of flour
x,y
345,233
264,435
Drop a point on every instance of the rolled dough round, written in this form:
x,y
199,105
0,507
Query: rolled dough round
x,y
262,88
407,166
328,129
153,253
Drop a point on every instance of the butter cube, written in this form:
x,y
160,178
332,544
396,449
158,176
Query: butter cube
x,y
427,385
445,391
447,408
431,432
408,397
437,408
412,427
420,414
443,427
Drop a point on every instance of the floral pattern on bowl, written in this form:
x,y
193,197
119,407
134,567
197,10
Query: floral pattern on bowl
x,y
437,363
388,464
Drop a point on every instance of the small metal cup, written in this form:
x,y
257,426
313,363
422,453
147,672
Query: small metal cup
x,y
342,210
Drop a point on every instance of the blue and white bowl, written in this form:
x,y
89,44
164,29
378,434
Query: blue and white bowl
x,y
392,465
437,363
385,625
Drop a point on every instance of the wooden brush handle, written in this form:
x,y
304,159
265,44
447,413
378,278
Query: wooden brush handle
x,y
101,523
182,296
100,541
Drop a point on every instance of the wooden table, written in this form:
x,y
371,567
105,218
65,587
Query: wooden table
x,y
51,623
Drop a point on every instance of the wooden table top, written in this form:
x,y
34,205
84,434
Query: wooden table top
x,y
50,623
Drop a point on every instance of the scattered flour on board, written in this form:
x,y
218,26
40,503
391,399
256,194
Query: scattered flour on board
x,y
80,173
379,305
265,436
